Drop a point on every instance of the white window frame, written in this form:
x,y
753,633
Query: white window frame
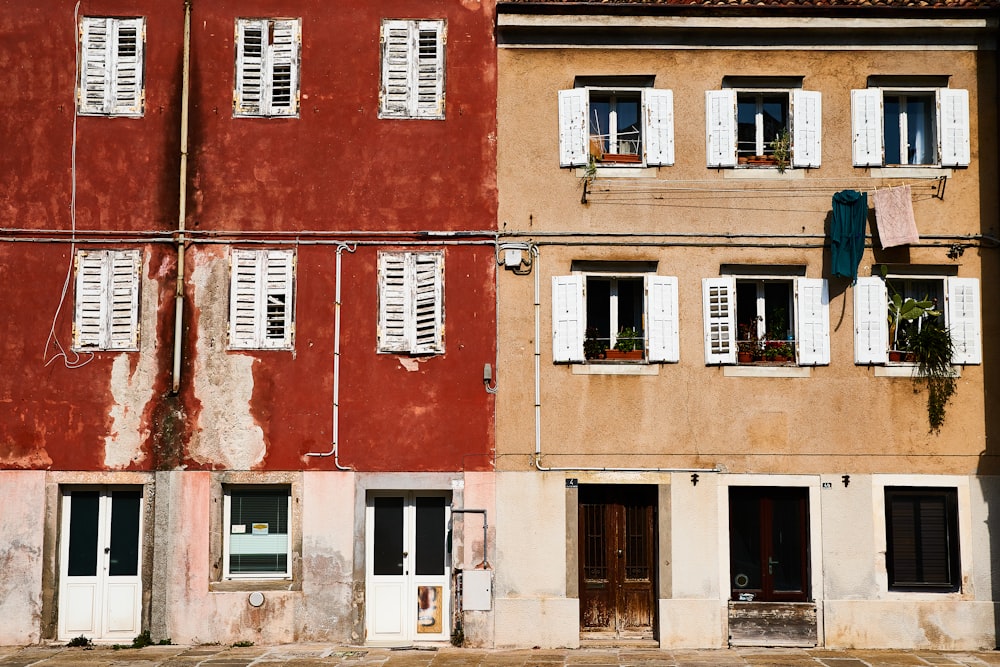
x,y
413,69
961,311
952,129
227,539
110,78
411,302
811,313
107,300
660,316
266,84
656,109
805,113
261,299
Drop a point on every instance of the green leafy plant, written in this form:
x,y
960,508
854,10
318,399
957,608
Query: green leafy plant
x,y
628,339
81,641
242,644
593,346
781,149
749,341
933,348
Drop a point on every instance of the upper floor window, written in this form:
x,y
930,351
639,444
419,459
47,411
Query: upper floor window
x,y
614,311
766,319
260,299
883,332
111,66
411,302
107,300
763,126
267,67
910,126
412,69
629,123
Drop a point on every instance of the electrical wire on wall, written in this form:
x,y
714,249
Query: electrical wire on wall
x,y
71,358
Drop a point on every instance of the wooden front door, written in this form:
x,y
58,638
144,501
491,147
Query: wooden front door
x,y
617,534
768,544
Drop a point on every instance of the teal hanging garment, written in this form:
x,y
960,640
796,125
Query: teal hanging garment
x,y
847,232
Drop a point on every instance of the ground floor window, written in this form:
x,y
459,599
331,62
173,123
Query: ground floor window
x,y
922,538
257,540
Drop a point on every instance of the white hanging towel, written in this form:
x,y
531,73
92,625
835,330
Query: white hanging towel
x,y
894,215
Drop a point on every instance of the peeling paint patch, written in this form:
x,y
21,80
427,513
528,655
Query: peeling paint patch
x,y
409,363
226,434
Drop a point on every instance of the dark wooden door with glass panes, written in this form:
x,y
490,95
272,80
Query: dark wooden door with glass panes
x,y
768,538
617,535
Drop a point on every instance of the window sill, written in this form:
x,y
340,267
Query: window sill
x,y
763,173
905,370
613,368
929,171
250,585
767,371
624,171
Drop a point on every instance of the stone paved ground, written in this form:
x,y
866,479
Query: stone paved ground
x,y
301,655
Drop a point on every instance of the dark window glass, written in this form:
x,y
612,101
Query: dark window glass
x,y
388,538
124,554
922,539
430,536
83,526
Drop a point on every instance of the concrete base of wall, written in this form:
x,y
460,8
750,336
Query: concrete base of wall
x,y
947,625
692,624
543,622
21,536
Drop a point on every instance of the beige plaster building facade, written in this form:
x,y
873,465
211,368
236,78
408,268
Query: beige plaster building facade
x,y
703,438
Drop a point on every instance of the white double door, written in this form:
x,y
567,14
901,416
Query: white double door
x,y
100,578
408,571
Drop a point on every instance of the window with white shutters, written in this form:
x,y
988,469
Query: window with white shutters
x,y
616,126
261,299
952,302
766,320
267,67
763,127
111,66
910,127
107,300
412,69
614,317
411,302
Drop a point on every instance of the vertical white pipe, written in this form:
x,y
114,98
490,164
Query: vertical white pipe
x,y
182,200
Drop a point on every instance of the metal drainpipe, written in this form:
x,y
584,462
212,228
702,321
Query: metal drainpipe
x,y
335,438
182,200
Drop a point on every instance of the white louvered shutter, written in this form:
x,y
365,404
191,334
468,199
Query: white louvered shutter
x,y
812,321
245,299
277,299
251,75
719,301
866,127
90,326
953,126
963,320
412,69
720,120
662,322
658,129
567,319
871,324
127,80
282,70
123,290
394,304
96,39
807,117
428,310
573,135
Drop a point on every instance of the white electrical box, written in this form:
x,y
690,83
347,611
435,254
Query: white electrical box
x,y
477,590
512,258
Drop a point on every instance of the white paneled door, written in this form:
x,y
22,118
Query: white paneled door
x,y
408,568
100,578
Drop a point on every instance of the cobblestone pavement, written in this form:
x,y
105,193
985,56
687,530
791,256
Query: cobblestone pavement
x,y
325,654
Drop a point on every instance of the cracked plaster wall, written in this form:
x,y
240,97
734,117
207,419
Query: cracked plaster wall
x,y
21,535
225,434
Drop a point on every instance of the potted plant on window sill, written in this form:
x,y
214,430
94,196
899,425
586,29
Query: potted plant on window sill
x,y
781,150
628,345
778,351
594,348
748,347
907,317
